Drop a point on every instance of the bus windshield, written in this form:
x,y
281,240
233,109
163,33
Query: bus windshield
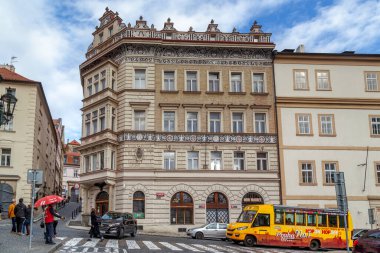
x,y
246,216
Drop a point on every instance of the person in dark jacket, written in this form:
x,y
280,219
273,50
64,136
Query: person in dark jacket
x,y
95,231
49,221
28,214
20,212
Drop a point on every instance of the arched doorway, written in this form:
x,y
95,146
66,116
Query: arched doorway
x,y
217,208
73,194
251,198
101,203
6,195
181,208
139,205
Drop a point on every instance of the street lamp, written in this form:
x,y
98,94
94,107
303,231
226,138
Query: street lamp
x,y
7,106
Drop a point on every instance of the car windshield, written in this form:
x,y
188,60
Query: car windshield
x,y
246,216
112,216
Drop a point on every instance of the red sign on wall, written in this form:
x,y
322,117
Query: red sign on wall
x,y
160,194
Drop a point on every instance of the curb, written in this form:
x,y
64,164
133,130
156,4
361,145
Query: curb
x,y
55,247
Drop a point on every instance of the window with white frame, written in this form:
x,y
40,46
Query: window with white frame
x,y
94,163
303,121
372,81
375,125
89,90
236,82
193,160
169,160
239,160
216,160
191,81
323,80
377,173
300,79
8,126
169,80
258,83
329,169
169,121
307,173
5,157
102,118
96,87
260,122
326,124
87,163
140,79
192,121
139,120
262,161
237,122
215,122
94,122
213,82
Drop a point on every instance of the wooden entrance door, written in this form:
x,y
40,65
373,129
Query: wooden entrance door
x,y
102,203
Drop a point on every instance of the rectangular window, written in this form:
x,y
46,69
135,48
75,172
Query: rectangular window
x,y
236,82
140,120
260,122
303,124
100,38
191,81
300,219
279,217
113,157
329,169
89,90
323,80
140,79
192,160
307,173
289,218
322,220
215,122
213,82
216,160
169,160
102,160
5,157
239,160
95,164
377,167
88,128
375,125
87,165
103,82
192,121
258,83
311,219
76,173
102,119
237,122
110,30
300,80
169,81
169,121
262,161
8,126
94,122
333,221
96,86
372,82
326,125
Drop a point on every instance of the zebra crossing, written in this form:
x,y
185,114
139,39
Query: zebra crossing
x,y
125,246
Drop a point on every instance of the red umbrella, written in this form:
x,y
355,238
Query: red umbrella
x,y
51,199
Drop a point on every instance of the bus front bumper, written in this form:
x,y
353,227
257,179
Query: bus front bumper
x,y
235,235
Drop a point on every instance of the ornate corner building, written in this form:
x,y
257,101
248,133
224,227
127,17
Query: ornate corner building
x,y
179,128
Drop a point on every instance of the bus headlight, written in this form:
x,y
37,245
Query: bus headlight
x,y
242,228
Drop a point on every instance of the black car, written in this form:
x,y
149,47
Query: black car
x,y
118,224
368,243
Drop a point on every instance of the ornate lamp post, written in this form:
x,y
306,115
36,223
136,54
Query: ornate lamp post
x,y
7,106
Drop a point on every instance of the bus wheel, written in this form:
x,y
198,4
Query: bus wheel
x,y
314,245
249,241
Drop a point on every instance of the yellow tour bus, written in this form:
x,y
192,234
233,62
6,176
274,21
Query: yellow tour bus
x,y
286,226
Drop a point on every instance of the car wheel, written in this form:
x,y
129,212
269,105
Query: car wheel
x,y
314,245
249,241
199,235
134,233
120,234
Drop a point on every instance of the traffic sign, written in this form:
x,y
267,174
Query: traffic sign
x,y
39,176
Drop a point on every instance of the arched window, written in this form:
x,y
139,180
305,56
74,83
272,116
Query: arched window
x,y
181,209
217,208
139,205
251,198
101,202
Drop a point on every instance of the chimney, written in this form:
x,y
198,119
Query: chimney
x,y
8,66
300,49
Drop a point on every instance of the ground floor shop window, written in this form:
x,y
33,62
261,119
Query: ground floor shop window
x,y
217,208
181,208
139,205
251,198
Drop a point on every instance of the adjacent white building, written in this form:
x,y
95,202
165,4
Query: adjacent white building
x,y
328,108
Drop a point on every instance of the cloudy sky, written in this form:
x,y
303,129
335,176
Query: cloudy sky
x,y
50,38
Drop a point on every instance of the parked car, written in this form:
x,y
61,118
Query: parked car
x,y
358,233
118,224
211,230
368,243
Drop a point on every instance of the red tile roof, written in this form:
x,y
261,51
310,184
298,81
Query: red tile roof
x,y
8,75
74,142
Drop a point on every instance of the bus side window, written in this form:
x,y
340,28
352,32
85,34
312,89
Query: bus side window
x,y
300,219
311,220
333,221
279,217
322,220
289,218
341,221
262,220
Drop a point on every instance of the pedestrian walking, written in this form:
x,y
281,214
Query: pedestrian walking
x,y
49,223
12,216
20,212
26,225
55,223
95,231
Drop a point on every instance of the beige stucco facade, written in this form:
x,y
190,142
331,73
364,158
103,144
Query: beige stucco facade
x,y
339,135
135,147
